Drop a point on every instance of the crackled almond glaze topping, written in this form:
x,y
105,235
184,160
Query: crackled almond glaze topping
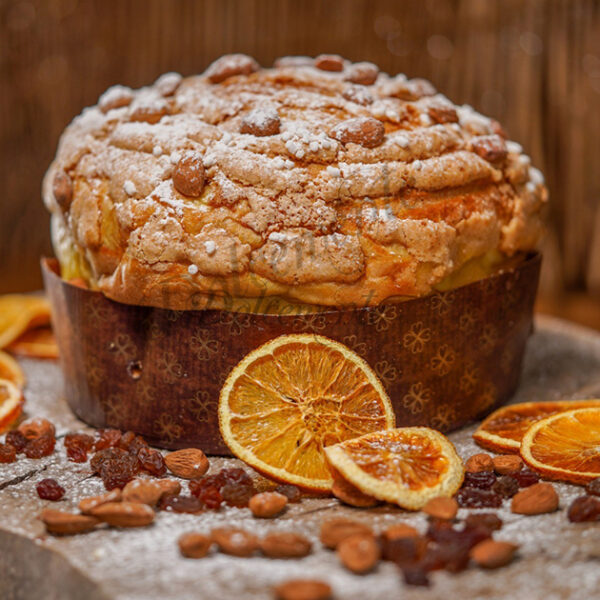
x,y
298,181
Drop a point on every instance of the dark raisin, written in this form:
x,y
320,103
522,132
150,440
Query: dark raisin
x,y
403,550
525,477
107,438
105,455
468,536
584,508
210,481
452,556
506,486
593,487
152,461
39,447
181,504
415,575
236,476
482,480
78,445
17,440
237,495
49,489
476,498
489,521
210,497
291,492
8,454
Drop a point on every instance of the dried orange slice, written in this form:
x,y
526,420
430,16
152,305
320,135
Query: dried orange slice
x,y
35,343
11,404
503,430
406,466
20,312
565,446
10,369
287,400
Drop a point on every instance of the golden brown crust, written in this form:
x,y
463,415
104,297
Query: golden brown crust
x,y
303,185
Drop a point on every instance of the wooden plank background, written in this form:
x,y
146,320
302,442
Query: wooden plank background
x,y
532,64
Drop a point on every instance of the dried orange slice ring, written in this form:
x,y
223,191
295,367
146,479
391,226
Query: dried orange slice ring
x,y
35,343
406,466
287,400
565,446
18,313
11,404
503,430
10,369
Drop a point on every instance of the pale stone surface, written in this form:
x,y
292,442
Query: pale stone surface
x,y
556,560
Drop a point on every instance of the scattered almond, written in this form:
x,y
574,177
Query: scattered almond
x,y
187,464
398,531
441,508
334,531
364,131
124,514
492,554
194,545
359,553
536,499
349,494
168,486
236,542
88,504
478,463
267,504
507,464
143,491
63,523
285,545
303,589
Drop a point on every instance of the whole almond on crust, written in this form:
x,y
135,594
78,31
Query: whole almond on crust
x,y
229,65
362,73
329,62
303,589
478,463
188,463
507,464
63,523
364,131
62,188
441,111
234,541
536,499
124,514
267,504
285,545
144,491
86,505
359,553
490,147
188,175
441,508
492,554
194,545
261,122
116,96
334,531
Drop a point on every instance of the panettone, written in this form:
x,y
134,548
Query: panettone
x,y
315,182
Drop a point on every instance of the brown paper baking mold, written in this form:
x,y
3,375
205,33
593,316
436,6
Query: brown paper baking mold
x,y
445,359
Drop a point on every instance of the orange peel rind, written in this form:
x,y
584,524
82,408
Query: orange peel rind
x,y
406,466
35,343
10,369
291,397
11,404
565,446
503,430
20,312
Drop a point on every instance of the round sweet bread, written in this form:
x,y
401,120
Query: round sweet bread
x,y
315,182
